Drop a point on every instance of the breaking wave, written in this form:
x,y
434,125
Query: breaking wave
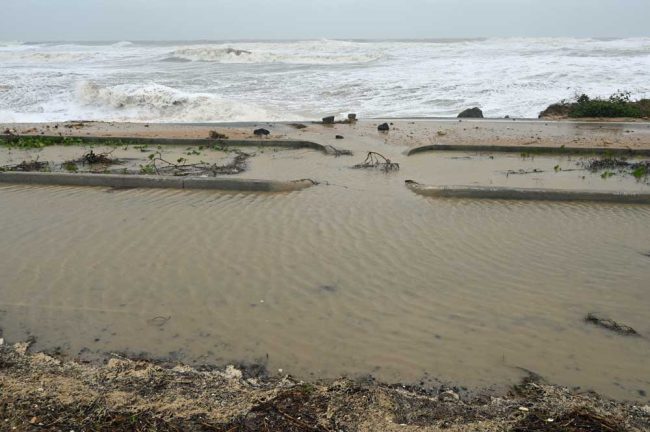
x,y
43,57
159,103
238,56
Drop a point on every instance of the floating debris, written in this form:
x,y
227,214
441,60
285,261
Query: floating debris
x,y
610,324
160,320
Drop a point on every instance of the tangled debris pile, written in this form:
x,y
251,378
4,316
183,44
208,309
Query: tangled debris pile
x,y
40,392
34,165
160,166
377,160
639,170
92,158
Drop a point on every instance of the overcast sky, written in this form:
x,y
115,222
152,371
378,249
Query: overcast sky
x,y
40,20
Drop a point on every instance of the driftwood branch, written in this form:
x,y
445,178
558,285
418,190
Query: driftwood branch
x,y
377,160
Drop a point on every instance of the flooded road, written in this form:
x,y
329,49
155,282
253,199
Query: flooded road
x,y
355,276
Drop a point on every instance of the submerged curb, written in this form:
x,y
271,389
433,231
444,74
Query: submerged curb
x,y
530,149
153,182
502,193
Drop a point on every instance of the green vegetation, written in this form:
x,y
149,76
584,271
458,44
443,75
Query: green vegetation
x,y
37,142
617,105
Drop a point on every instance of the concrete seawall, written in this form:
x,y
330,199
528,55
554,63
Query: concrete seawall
x,y
286,143
503,193
154,182
531,150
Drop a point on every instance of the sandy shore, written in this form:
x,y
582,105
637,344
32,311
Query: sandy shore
x,y
405,133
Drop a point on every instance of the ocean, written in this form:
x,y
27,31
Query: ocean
x,y
302,80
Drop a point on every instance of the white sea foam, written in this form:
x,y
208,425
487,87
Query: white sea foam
x,y
239,81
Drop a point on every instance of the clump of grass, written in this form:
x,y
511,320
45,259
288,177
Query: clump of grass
x,y
641,171
70,166
619,104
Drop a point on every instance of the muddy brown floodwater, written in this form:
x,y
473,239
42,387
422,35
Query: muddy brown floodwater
x,y
355,276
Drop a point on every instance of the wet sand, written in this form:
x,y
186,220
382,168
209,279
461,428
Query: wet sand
x,y
356,276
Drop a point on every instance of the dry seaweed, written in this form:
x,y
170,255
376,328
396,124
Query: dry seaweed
x,y
377,160
578,420
40,392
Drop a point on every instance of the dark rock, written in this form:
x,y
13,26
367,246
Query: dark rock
x,y
297,125
507,117
261,132
339,137
471,113
383,127
352,117
328,120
